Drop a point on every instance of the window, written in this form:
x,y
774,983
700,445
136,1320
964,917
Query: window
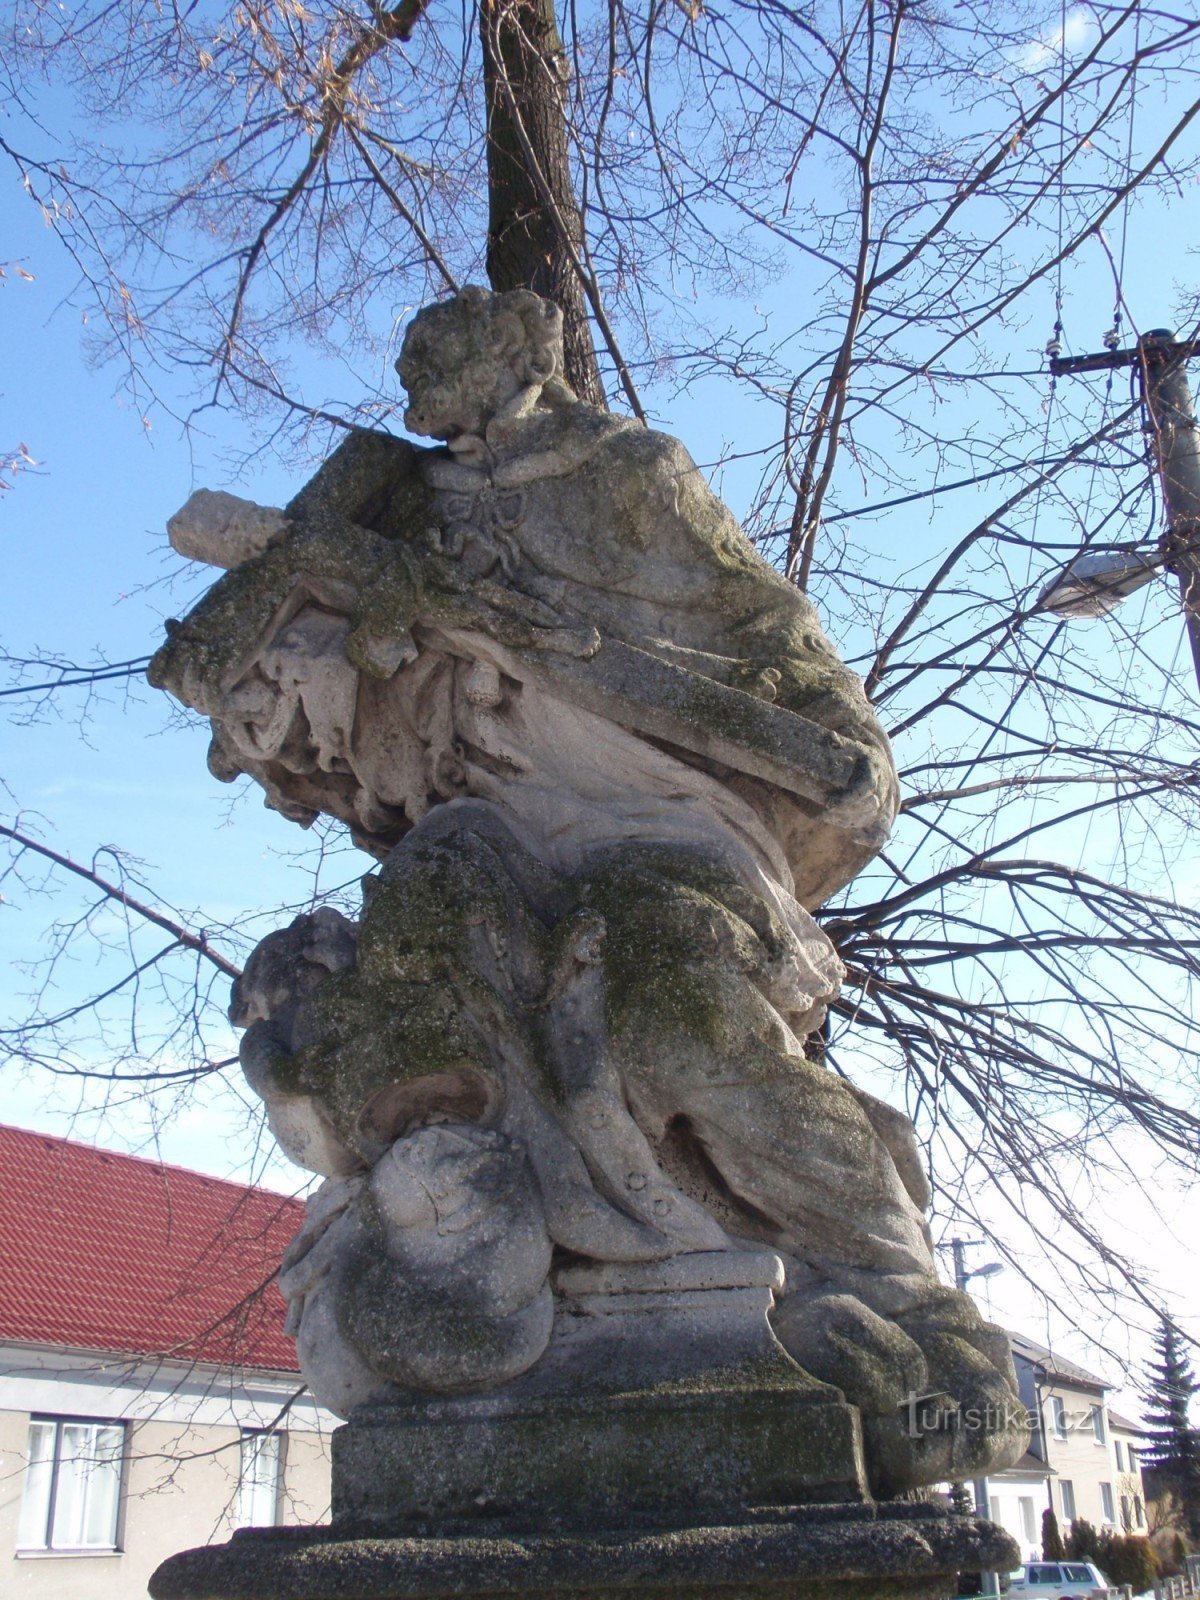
x,y
258,1486
1139,1515
1058,1416
1106,1502
72,1485
1045,1575
1028,1524
1126,1520
1078,1574
1097,1418
1067,1491
1120,1449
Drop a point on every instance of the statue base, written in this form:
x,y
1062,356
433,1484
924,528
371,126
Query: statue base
x,y
664,1398
664,1446
845,1552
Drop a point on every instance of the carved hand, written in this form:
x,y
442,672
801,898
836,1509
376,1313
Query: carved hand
x,y
418,585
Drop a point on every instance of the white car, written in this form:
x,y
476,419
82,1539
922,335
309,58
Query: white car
x,y
1056,1580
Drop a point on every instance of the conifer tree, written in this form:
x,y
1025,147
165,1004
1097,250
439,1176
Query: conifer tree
x,y
1172,1448
1052,1544
1083,1542
962,1500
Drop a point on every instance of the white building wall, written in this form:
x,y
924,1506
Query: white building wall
x,y
1087,1463
181,1473
1017,1501
1128,1484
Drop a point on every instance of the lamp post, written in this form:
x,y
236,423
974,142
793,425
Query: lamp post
x,y
962,1273
1097,580
962,1276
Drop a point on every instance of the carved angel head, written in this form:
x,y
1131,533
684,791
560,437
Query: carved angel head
x,y
465,358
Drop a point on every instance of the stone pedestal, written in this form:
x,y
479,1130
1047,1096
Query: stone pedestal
x,y
663,1399
665,1446
879,1552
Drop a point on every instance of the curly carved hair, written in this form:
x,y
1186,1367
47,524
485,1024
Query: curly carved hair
x,y
519,325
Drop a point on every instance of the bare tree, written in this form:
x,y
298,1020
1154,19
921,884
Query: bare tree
x,y
865,220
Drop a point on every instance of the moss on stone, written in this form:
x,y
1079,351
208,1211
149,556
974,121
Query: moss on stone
x,y
669,911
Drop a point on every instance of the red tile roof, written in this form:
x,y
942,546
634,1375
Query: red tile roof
x,y
109,1252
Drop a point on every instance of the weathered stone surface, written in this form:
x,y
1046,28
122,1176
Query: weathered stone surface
x,y
643,1459
663,1397
555,529
827,1553
555,1074
223,529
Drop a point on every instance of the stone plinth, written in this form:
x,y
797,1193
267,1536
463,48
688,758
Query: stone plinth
x,y
854,1552
663,1399
665,1446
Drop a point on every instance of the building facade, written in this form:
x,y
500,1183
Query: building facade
x,y
1082,1461
149,1398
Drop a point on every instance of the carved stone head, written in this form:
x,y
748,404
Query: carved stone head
x,y
465,358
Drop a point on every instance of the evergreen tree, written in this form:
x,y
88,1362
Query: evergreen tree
x,y
962,1500
1128,1560
1083,1542
1052,1544
1172,1447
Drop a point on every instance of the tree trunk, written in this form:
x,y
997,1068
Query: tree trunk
x,y
529,173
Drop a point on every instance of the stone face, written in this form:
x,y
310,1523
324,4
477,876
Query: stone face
x,y
589,1211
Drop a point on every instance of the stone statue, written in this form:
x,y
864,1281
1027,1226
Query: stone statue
x,y
609,763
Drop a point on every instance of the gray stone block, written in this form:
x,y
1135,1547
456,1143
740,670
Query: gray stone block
x,y
658,1402
853,1552
644,1458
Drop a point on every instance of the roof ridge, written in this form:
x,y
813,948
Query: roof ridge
x,y
243,1187
103,1250
1066,1367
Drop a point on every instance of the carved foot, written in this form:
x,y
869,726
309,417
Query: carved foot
x,y
935,1386
839,1340
969,1421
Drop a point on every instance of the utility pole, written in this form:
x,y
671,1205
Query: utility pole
x,y
963,1274
1160,362
958,1249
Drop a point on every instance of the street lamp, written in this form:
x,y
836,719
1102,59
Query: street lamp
x,y
962,1276
962,1272
1094,583
990,1271
1097,580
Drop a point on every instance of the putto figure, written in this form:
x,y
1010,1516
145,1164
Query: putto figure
x,y
609,763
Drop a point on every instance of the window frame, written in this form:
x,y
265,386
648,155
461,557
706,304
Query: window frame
x,y
59,1422
245,1435
1027,1511
1066,1491
1058,1416
1108,1505
1099,1431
